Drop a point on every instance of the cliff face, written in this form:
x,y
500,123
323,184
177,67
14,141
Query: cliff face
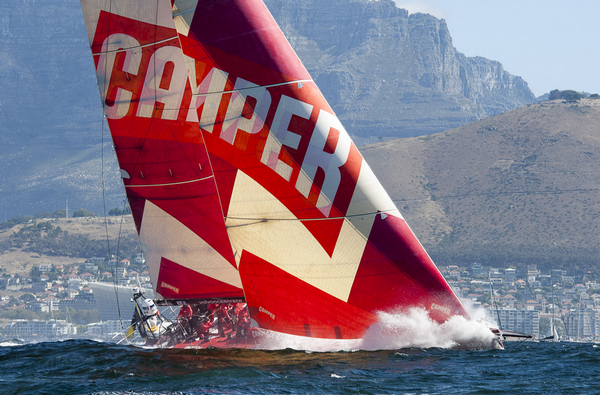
x,y
390,74
50,112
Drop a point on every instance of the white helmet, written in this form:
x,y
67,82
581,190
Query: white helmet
x,y
148,307
136,290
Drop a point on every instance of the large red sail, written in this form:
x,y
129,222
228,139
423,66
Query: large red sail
x,y
319,245
145,91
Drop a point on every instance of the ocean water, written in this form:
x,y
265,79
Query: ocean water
x,y
403,353
89,367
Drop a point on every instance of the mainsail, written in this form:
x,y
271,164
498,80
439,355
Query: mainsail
x,y
241,179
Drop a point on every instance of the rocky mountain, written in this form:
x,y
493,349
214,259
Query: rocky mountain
x,y
390,74
386,73
518,187
50,129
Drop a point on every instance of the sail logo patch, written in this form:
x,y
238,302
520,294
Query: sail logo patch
x,y
169,286
443,309
263,310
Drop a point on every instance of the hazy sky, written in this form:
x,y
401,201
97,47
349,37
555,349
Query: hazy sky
x,y
552,44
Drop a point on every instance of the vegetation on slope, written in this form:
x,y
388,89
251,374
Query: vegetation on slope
x,y
64,241
520,187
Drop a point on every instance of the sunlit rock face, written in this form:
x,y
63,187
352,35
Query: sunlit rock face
x,y
385,73
389,74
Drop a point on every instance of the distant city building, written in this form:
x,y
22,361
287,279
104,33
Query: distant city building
x,y
522,321
45,329
79,302
139,260
568,281
496,280
476,269
105,328
40,286
454,274
87,277
89,267
532,270
583,323
44,267
545,280
510,275
120,272
38,307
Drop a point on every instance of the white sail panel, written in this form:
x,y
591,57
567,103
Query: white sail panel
x,y
370,196
260,224
183,12
154,12
163,236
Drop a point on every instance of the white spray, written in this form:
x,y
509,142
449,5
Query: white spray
x,y
395,331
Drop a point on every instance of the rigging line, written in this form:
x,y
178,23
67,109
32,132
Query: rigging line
x,y
253,87
118,246
495,304
154,112
184,12
212,172
169,184
259,220
507,193
102,176
121,49
241,225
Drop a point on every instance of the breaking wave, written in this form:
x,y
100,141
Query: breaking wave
x,y
412,329
417,329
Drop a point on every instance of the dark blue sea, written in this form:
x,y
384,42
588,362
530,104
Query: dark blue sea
x,y
89,367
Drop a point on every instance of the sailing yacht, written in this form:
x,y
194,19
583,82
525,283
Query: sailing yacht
x,y
243,184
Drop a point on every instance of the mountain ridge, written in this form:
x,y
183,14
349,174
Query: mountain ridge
x,y
57,148
390,74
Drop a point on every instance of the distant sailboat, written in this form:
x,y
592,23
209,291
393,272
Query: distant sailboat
x,y
552,333
243,184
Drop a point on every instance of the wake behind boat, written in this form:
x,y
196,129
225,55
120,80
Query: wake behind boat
x,y
243,184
